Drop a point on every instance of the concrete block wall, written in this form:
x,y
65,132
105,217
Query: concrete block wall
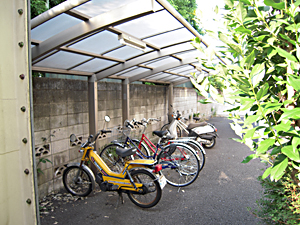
x,y
61,108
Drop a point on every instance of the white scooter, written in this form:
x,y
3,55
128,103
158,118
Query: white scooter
x,y
204,133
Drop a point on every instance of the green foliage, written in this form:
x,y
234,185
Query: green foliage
x,y
280,203
39,6
187,9
262,79
42,160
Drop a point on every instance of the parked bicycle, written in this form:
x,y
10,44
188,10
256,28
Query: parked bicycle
x,y
167,139
180,163
140,179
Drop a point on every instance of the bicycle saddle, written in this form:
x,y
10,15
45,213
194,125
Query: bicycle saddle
x,y
123,152
193,125
160,133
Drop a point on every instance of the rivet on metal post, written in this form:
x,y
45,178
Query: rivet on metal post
x,y
28,201
23,109
24,140
22,76
21,44
26,171
20,11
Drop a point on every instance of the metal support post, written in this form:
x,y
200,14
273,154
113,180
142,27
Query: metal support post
x,y
171,101
93,106
125,99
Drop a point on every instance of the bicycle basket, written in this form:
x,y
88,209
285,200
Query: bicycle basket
x,y
123,133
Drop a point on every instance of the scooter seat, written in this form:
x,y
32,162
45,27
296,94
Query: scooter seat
x,y
123,152
160,133
193,125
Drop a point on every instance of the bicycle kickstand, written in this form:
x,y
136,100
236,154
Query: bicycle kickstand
x,y
120,199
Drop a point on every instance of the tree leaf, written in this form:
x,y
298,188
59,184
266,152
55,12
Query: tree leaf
x,y
241,12
257,74
249,158
289,152
279,167
249,133
204,101
251,119
270,107
262,91
274,4
250,60
285,54
237,140
243,30
283,126
295,83
266,173
264,146
290,114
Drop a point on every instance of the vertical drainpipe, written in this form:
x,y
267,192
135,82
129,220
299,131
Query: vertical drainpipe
x,y
125,99
171,101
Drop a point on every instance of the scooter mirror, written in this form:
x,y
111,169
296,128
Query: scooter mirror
x,y
73,138
107,118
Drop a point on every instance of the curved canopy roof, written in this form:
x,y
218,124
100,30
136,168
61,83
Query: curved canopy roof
x,y
144,40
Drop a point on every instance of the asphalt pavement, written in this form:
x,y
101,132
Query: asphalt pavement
x,y
222,193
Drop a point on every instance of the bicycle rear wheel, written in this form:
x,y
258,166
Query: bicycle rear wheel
x,y
181,165
152,190
199,152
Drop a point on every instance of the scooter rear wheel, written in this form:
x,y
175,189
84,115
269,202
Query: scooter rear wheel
x,y
212,143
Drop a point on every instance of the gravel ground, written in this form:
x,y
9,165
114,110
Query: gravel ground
x,y
220,195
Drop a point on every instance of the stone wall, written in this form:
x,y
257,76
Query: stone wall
x,y
61,108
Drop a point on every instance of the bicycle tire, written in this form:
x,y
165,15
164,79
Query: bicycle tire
x,y
114,162
77,181
181,168
151,187
199,152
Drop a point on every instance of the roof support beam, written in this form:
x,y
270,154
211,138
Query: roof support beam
x,y
161,69
60,71
73,50
144,58
55,11
78,15
133,10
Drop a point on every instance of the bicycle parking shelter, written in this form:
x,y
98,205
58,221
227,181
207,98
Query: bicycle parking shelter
x,y
130,40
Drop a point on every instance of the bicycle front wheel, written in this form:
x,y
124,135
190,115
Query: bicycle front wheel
x,y
180,163
77,181
152,190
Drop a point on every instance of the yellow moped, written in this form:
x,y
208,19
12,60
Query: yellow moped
x,y
139,178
